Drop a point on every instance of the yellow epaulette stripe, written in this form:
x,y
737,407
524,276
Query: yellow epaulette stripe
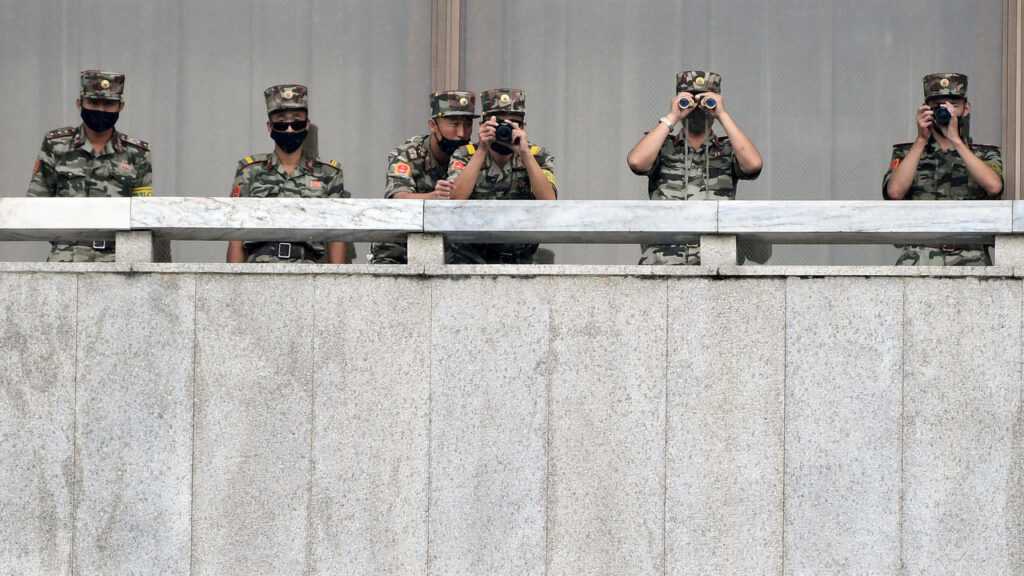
x,y
142,191
471,148
533,150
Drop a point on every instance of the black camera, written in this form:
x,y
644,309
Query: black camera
x,y
503,133
941,115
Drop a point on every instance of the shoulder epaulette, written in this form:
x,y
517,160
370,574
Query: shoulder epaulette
x,y
257,159
534,150
901,144
991,146
134,142
329,163
61,132
471,149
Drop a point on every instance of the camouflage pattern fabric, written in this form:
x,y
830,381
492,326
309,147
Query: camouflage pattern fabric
x,y
68,167
937,256
453,103
503,100
942,175
411,168
497,183
945,85
102,85
697,81
261,176
286,97
682,172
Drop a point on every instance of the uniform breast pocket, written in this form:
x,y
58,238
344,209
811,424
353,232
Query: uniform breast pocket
x,y
70,182
264,191
124,180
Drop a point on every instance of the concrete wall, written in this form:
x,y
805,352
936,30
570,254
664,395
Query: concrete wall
x,y
296,420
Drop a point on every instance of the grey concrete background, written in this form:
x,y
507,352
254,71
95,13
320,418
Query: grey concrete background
x,y
297,421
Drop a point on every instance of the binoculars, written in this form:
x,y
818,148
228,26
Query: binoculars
x,y
941,115
708,103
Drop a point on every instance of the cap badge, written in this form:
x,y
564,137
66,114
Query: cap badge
x,y
699,81
505,99
944,82
104,83
287,94
463,101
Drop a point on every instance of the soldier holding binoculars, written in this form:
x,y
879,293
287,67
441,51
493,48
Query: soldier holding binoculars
x,y
695,164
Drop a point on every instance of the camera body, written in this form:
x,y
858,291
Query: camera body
x,y
503,132
941,115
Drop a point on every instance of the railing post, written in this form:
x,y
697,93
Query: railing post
x,y
717,250
134,247
1009,251
426,249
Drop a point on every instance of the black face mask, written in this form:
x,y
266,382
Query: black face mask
x,y
288,141
501,149
448,146
98,120
698,122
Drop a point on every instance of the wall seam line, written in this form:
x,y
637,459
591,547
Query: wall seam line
x,y
74,439
192,450
430,416
664,479
785,414
312,433
903,427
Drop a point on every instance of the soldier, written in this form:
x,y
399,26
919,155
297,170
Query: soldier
x,y
501,169
419,167
943,164
92,160
287,173
696,164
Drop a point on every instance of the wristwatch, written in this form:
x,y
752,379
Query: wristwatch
x,y
664,120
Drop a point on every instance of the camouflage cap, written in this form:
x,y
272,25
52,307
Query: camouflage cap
x,y
697,81
102,85
507,100
453,103
945,85
286,97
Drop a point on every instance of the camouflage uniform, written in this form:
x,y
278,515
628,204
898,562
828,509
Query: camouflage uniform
x,y
412,166
68,166
262,176
510,182
682,172
942,175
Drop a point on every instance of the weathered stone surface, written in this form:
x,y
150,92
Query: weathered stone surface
x,y
253,424
606,485
371,434
725,447
962,426
134,424
489,425
843,432
37,422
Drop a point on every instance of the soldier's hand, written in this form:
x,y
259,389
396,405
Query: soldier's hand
x,y
925,121
520,145
443,189
674,113
486,133
952,130
719,106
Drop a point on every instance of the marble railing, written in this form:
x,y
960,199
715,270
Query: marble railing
x,y
135,220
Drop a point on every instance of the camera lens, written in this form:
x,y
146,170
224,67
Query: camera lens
x,y
941,115
503,133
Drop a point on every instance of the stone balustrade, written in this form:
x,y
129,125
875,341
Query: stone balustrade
x,y
606,222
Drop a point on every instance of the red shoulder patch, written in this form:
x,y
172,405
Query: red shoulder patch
x,y
36,169
895,163
236,191
458,165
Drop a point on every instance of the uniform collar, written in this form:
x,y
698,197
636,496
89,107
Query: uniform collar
x,y
711,140
113,144
305,164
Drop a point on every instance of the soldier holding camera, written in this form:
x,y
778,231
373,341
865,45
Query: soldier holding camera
x,y
943,164
696,164
502,166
